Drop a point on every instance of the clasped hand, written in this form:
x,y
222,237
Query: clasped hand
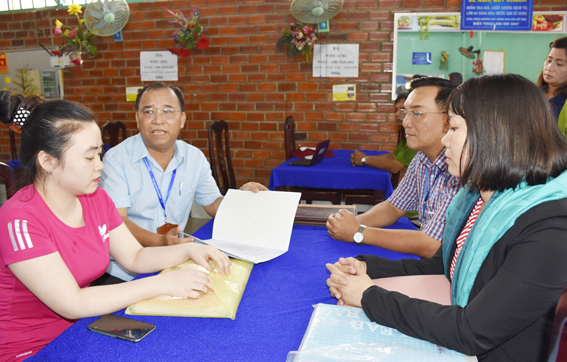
x,y
342,225
348,281
356,158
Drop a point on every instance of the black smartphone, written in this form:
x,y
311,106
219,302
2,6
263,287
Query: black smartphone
x,y
121,328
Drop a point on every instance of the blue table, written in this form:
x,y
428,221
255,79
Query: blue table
x,y
270,322
334,172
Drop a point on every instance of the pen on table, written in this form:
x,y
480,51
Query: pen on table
x,y
180,186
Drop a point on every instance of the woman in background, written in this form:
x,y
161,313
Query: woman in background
x,y
392,162
553,79
504,247
56,234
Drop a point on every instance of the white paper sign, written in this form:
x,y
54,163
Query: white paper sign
x,y
158,66
335,60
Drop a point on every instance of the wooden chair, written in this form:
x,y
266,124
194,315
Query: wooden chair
x,y
9,177
558,343
13,148
221,158
307,194
113,129
289,137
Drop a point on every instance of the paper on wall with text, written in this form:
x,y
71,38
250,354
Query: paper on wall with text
x,y
335,60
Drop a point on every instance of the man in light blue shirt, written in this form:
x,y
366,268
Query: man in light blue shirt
x,y
153,178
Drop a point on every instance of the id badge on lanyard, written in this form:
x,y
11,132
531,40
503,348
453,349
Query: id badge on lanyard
x,y
165,228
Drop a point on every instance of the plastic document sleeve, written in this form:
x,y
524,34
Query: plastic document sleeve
x,y
222,303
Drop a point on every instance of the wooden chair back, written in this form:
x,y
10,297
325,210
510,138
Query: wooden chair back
x,y
113,130
289,137
13,148
9,177
221,162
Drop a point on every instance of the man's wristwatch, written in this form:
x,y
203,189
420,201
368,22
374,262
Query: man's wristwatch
x,y
363,160
359,236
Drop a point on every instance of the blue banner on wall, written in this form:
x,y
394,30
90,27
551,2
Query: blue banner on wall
x,y
421,58
497,14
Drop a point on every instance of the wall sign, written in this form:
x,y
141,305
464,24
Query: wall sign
x,y
335,60
421,58
344,92
501,15
158,66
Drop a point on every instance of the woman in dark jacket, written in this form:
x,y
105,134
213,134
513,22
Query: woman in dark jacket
x,y
505,241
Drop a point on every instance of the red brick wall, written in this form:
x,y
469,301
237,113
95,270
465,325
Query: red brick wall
x,y
241,78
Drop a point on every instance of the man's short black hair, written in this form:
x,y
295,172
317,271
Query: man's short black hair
x,y
445,86
160,85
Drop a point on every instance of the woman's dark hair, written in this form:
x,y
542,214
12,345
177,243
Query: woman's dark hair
x,y
48,128
160,85
511,133
560,43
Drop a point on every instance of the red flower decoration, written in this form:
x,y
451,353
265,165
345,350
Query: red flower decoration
x,y
56,52
183,52
174,51
203,43
78,61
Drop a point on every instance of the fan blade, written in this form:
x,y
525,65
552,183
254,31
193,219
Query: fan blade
x,y
95,13
100,24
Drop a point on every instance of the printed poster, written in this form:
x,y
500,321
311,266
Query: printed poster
x,y
344,92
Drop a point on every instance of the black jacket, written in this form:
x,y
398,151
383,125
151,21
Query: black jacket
x,y
512,302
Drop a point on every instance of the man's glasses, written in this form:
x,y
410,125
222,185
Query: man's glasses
x,y
416,115
149,113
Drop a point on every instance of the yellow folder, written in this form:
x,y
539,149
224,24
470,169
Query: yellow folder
x,y
222,303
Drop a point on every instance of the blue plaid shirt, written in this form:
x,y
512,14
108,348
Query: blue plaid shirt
x,y
429,188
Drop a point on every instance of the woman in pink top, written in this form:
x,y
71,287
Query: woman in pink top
x,y
56,234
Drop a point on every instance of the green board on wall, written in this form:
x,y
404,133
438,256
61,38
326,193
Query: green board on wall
x,y
525,52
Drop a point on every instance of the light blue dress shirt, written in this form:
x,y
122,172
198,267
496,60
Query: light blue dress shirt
x,y
127,181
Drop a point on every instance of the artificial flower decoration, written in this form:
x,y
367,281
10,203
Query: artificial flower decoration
x,y
444,60
298,40
478,67
75,9
79,39
191,36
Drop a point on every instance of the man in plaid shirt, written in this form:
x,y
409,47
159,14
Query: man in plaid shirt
x,y
427,186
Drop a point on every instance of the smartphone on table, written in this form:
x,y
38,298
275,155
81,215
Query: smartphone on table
x,y
121,328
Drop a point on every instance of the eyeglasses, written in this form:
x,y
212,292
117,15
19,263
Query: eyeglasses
x,y
411,113
149,114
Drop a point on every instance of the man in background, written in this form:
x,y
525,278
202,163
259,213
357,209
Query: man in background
x,y
427,186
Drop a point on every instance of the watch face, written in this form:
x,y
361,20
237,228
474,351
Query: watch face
x,y
358,237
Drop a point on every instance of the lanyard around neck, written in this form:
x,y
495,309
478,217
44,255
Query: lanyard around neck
x,y
428,190
156,186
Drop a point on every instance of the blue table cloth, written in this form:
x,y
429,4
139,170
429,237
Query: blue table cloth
x,y
334,172
270,322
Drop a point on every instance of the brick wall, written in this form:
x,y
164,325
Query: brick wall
x,y
241,78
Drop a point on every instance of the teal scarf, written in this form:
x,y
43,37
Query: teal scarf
x,y
497,216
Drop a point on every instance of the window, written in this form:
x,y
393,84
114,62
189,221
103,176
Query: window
x,y
23,5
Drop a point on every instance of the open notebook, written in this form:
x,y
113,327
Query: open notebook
x,y
255,227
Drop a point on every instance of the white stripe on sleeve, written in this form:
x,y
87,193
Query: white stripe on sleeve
x,y
19,234
11,232
26,235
